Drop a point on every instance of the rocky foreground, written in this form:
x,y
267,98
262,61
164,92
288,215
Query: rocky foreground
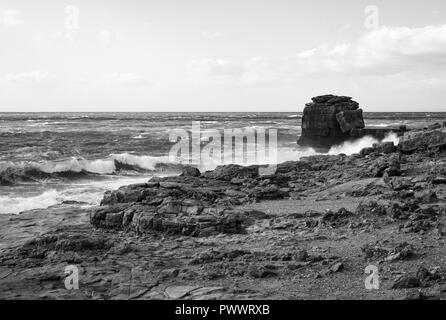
x,y
306,232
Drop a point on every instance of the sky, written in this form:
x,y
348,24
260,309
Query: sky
x,y
227,55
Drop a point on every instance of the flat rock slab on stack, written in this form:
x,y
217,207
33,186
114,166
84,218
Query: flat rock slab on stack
x,y
328,120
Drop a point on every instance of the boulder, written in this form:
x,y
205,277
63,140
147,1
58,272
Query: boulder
x,y
422,140
426,196
385,147
231,171
268,192
434,126
406,282
108,217
127,194
372,208
336,219
366,151
390,167
189,171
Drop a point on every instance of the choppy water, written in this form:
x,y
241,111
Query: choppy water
x,y
50,158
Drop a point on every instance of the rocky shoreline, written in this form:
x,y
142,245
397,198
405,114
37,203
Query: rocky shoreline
x,y
308,231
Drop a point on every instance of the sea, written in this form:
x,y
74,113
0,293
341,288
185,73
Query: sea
x,y
56,159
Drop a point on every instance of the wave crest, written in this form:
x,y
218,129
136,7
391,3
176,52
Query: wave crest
x,y
78,168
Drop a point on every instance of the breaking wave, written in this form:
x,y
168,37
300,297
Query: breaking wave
x,y
132,165
79,194
351,147
79,168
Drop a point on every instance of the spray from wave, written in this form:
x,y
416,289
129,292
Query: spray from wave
x,y
295,153
351,147
348,148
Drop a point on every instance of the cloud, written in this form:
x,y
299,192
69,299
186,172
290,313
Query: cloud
x,y
418,54
66,35
253,71
344,28
433,82
108,36
127,80
307,53
37,37
146,25
386,50
31,78
210,34
10,18
217,67
43,79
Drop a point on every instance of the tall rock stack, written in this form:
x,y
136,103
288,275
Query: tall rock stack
x,y
329,120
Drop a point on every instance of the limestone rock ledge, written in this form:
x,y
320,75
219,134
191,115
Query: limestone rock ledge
x,y
184,205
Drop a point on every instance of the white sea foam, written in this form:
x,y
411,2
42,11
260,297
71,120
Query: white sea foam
x,y
99,166
144,162
17,204
351,147
293,153
78,165
88,194
384,125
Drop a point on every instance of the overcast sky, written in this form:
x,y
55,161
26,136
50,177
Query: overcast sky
x,y
227,55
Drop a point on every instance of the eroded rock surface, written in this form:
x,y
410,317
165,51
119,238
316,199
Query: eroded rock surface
x,y
423,140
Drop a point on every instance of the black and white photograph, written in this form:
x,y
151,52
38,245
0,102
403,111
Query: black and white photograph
x,y
243,152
